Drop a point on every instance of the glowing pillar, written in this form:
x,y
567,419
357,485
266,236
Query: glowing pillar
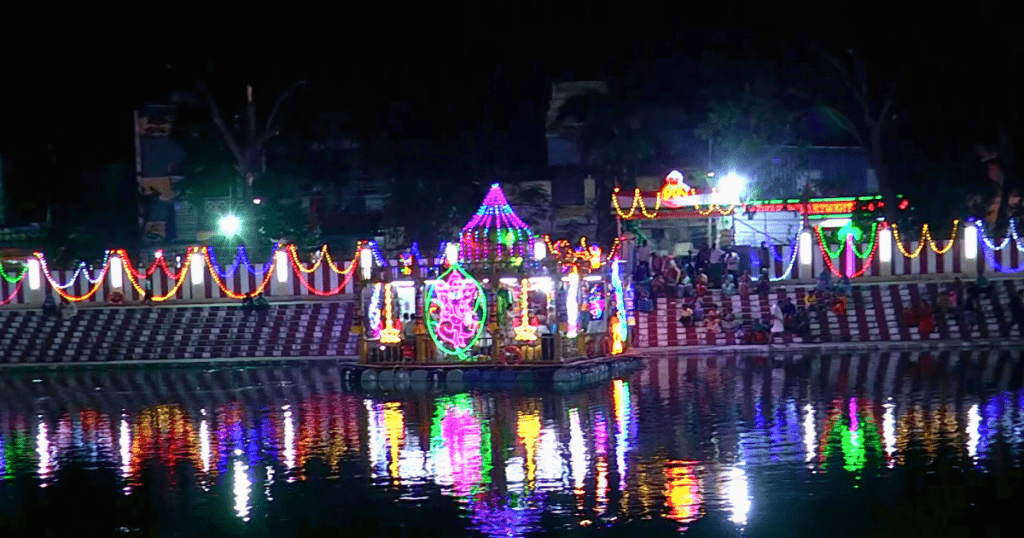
x,y
116,272
33,274
540,250
971,242
805,248
451,253
365,262
281,261
195,269
885,245
572,307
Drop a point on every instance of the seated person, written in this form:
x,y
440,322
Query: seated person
x,y
49,304
248,302
788,309
260,302
687,318
839,305
810,299
698,311
729,287
844,287
763,285
802,323
643,302
745,286
729,322
824,279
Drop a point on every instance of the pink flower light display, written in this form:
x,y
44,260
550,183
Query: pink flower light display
x,y
456,307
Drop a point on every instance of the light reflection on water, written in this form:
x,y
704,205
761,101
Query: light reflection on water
x,y
685,438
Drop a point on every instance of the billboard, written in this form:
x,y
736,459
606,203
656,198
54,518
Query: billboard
x,y
158,157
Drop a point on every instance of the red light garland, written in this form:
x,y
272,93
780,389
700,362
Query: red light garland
x,y
92,291
13,293
294,256
863,268
179,279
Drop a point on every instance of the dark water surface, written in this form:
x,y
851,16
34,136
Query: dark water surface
x,y
856,445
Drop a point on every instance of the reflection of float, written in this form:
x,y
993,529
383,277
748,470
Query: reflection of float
x,y
855,431
682,491
460,445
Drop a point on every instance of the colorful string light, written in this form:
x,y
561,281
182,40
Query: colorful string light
x,y
524,331
833,255
495,232
178,280
638,202
299,270
14,293
620,329
572,305
220,282
241,258
6,276
391,330
455,308
60,289
859,272
990,257
926,237
793,248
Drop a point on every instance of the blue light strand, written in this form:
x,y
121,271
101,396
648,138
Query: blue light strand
x,y
792,260
1014,235
990,257
256,272
217,267
377,256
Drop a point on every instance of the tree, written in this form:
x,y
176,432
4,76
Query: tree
x,y
867,118
752,128
617,133
247,144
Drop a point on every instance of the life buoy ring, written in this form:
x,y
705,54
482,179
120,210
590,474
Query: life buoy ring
x,y
515,353
116,297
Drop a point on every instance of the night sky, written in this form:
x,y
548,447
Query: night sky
x,y
70,114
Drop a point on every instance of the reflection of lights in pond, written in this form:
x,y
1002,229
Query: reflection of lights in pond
x,y
394,425
510,517
460,445
125,444
737,494
242,487
889,430
973,423
810,441
43,450
577,451
623,422
289,440
682,491
204,443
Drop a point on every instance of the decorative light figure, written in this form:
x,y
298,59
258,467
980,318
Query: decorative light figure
x,y
195,269
524,331
805,248
373,313
971,242
33,274
116,272
281,260
572,306
391,331
885,245
455,307
620,329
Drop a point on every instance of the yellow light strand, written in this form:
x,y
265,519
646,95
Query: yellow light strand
x,y
643,208
925,232
899,243
618,208
926,238
525,332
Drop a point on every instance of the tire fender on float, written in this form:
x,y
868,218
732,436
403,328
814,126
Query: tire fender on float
x,y
516,355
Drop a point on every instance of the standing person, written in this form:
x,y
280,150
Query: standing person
x,y
777,323
656,262
1017,312
717,268
147,296
732,263
67,309
49,303
763,257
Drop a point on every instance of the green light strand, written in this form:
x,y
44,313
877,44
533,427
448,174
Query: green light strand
x,y
835,254
13,280
824,245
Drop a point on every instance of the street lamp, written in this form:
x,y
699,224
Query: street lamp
x,y
229,225
732,187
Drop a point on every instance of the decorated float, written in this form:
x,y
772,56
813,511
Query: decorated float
x,y
501,295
